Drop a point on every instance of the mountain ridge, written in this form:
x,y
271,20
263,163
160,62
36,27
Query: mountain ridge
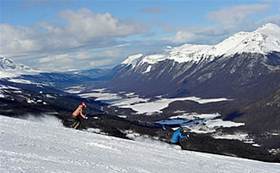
x,y
263,40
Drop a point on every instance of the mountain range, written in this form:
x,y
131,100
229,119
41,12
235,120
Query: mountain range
x,y
244,68
233,68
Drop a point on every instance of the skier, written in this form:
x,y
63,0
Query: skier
x,y
179,134
78,114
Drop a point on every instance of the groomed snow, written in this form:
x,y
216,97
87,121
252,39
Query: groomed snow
x,y
30,147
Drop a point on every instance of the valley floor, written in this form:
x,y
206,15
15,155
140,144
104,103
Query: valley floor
x,y
27,146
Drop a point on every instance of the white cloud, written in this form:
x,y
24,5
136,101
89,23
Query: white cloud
x,y
183,36
79,59
17,39
200,35
229,17
81,36
85,25
227,22
82,28
100,62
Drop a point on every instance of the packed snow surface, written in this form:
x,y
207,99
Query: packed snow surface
x,y
263,40
30,147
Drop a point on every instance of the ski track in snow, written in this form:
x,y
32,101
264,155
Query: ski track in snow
x,y
31,147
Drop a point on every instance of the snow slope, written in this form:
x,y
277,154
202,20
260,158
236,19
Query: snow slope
x,y
27,146
263,40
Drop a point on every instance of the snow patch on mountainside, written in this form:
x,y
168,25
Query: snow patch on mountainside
x,y
153,59
75,89
4,74
148,69
132,60
23,81
35,147
5,88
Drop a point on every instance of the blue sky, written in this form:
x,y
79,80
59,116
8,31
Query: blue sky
x,y
72,34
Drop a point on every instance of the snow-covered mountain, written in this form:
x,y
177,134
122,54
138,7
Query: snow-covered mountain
x,y
24,91
244,67
264,40
52,148
242,58
9,69
9,65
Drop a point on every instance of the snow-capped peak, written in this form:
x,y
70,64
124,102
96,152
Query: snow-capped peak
x,y
8,68
269,29
9,65
132,60
263,40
